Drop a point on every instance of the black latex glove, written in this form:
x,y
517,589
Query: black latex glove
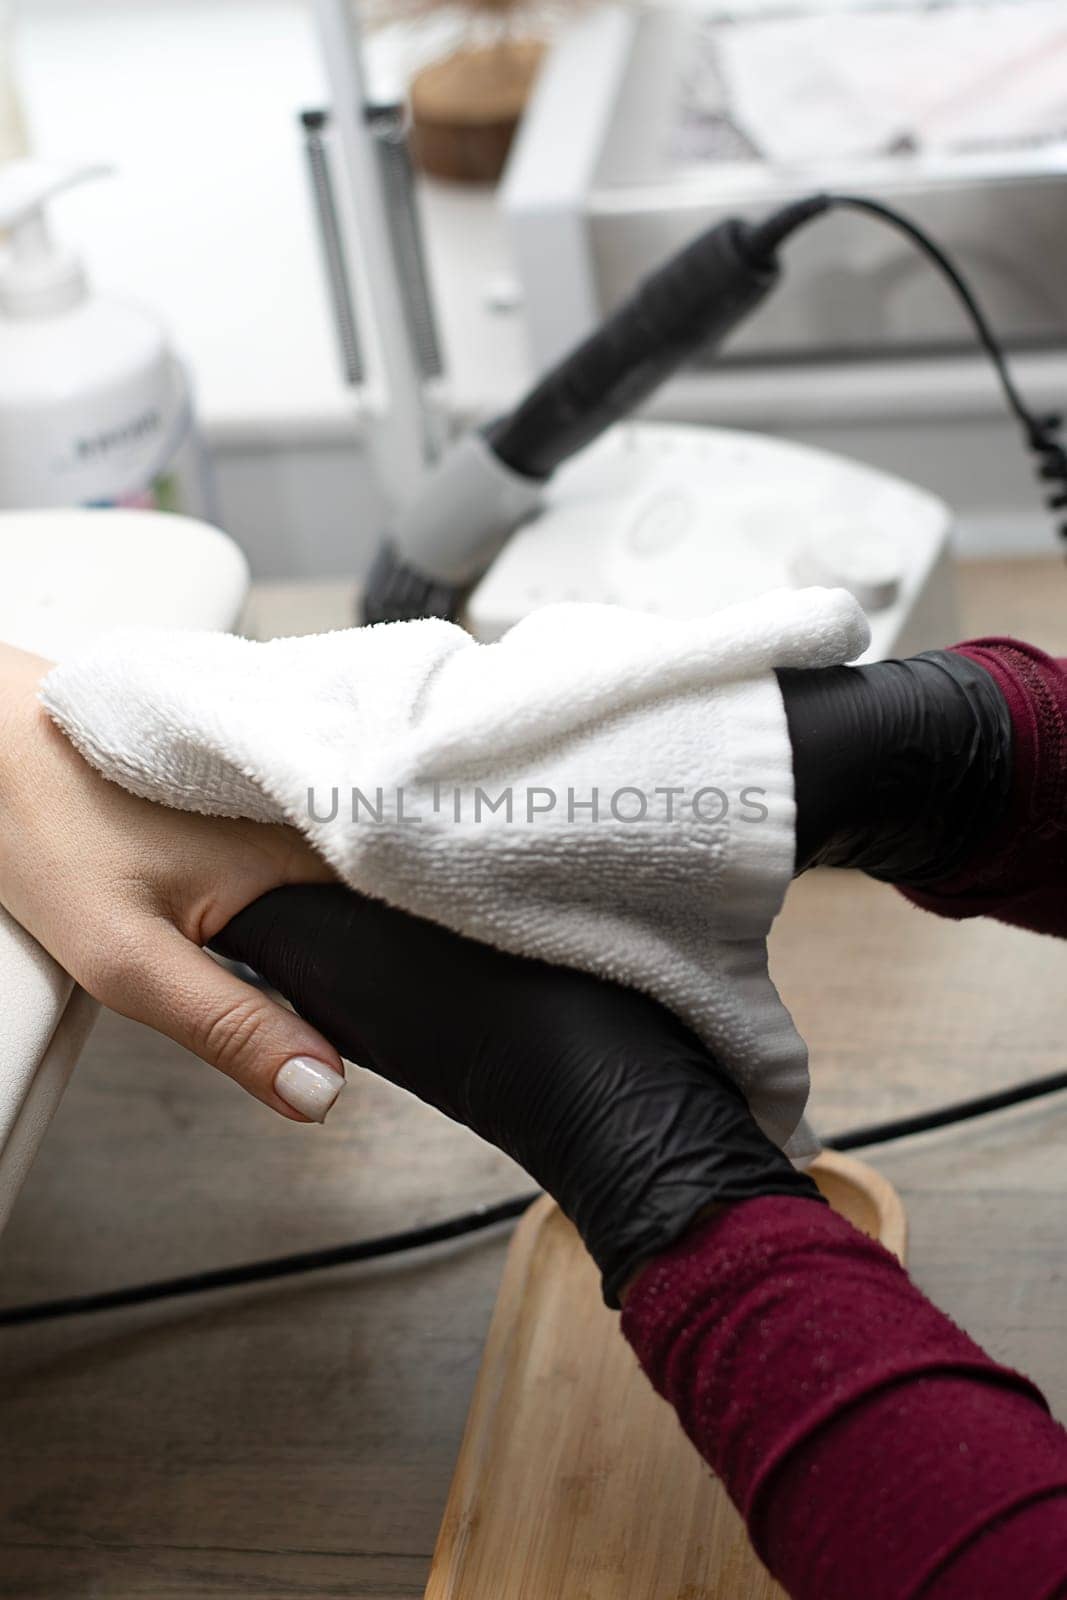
x,y
901,768
606,1099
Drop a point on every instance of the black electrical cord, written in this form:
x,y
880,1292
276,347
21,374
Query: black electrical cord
x,y
1042,433
342,1255
960,1111
472,1222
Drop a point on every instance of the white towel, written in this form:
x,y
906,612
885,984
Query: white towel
x,y
397,749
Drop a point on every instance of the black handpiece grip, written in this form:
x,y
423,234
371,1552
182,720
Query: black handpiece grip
x,y
693,302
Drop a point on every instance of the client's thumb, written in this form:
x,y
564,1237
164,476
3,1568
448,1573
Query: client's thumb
x,y
179,990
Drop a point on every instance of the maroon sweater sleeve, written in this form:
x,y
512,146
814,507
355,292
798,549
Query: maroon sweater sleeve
x,y
1020,874
874,1450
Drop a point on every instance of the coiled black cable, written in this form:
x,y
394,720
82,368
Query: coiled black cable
x,y
1042,433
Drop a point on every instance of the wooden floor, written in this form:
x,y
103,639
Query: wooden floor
x,y
299,1440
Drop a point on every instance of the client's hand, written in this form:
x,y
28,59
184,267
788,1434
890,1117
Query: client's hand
x,y
123,894
609,1102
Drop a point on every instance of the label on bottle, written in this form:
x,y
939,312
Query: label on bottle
x,y
180,485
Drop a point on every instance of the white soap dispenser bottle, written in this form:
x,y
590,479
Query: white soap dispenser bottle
x,y
94,408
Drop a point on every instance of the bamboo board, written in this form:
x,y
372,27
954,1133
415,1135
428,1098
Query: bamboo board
x,y
574,1479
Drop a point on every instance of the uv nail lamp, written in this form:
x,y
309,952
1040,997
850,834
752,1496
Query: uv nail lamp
x,y
681,521
65,576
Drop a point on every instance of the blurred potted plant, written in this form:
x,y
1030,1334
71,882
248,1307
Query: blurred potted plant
x,y
467,105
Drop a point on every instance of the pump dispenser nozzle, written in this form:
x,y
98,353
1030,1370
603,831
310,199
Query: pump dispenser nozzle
x,y
38,277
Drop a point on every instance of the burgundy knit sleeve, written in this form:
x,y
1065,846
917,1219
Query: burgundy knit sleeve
x,y
1020,874
873,1449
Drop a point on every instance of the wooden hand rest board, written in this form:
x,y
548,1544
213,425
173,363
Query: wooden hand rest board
x,y
575,1480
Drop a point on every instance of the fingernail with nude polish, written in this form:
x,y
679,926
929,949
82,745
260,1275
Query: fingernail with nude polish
x,y
309,1086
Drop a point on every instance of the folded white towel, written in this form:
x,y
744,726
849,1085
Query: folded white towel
x,y
601,789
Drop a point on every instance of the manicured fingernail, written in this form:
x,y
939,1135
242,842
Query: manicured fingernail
x,y
309,1086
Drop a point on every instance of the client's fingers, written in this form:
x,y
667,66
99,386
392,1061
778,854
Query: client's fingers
x,y
173,986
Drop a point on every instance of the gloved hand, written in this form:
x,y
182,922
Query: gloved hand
x,y
605,1098
901,768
